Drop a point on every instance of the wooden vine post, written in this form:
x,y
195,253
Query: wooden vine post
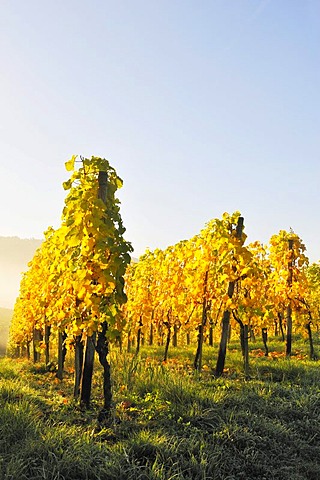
x,y
87,372
312,354
168,336
91,342
226,316
139,334
102,345
78,363
264,333
246,350
244,342
62,351
198,357
37,338
47,330
289,307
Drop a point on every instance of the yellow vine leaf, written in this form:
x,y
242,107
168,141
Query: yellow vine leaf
x,y
70,163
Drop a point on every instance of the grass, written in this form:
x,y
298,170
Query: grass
x,y
169,423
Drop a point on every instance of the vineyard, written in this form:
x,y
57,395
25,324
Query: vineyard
x,y
205,349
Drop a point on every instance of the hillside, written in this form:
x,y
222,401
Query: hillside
x,y
15,253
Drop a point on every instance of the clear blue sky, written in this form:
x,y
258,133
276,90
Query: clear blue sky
x,y
201,106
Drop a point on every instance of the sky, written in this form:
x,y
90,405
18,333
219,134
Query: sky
x,y
201,107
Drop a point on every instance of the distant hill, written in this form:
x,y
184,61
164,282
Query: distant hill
x,y
5,319
15,253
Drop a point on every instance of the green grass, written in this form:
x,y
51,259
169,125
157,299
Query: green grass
x,y
168,423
